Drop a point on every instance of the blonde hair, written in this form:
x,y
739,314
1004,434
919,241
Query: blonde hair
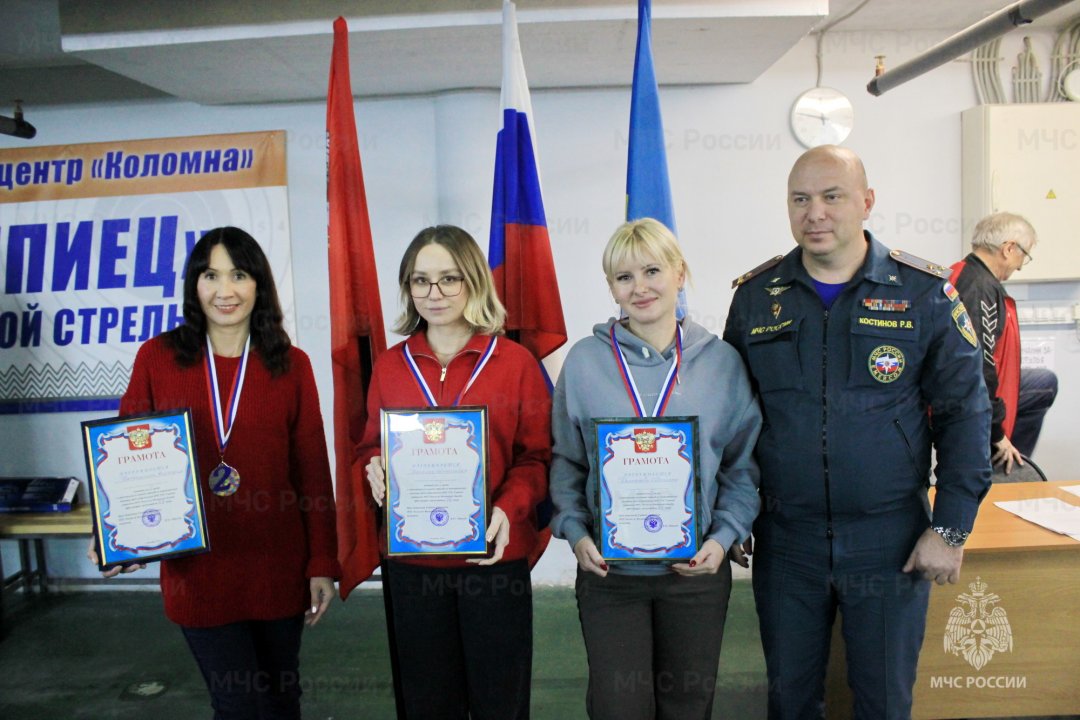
x,y
483,311
643,238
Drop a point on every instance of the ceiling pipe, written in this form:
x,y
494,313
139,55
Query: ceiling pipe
x,y
982,32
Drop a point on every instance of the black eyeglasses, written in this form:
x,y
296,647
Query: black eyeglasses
x,y
449,286
1027,255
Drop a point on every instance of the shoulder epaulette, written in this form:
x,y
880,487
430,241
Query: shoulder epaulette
x,y
919,264
772,262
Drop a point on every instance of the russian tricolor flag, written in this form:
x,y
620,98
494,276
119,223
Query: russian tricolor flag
x,y
519,249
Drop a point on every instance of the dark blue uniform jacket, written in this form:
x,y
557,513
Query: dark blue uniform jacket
x,y
845,393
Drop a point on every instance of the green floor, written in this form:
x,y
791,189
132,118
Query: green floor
x,y
112,655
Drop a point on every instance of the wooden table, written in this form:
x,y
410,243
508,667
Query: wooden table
x,y
1035,574
31,529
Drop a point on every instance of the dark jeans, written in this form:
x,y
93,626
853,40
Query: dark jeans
x,y
251,668
1038,388
653,643
464,640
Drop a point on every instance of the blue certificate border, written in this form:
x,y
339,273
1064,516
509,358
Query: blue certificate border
x,y
195,540
474,418
610,429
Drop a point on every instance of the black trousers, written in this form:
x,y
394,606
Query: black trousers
x,y
464,640
653,643
1038,389
251,668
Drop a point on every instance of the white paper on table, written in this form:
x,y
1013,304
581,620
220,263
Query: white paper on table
x,y
1049,512
1073,489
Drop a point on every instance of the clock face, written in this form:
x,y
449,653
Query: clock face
x,y
822,116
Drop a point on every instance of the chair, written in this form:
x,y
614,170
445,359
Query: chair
x,y
1028,472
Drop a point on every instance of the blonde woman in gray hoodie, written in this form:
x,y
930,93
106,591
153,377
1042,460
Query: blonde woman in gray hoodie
x,y
653,629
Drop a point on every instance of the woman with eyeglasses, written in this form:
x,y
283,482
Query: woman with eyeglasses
x,y
463,627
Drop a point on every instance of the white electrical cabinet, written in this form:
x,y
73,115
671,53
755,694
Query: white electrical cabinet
x,y
1026,159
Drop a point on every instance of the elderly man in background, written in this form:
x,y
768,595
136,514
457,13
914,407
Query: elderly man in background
x,y
1001,245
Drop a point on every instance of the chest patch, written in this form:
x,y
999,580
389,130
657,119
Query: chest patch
x,y
888,323
765,329
886,363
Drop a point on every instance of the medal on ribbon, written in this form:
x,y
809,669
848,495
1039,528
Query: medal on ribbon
x,y
224,479
628,378
647,491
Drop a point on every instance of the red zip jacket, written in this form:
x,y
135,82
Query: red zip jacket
x,y
519,426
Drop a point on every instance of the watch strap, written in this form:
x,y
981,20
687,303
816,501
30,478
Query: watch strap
x,y
953,537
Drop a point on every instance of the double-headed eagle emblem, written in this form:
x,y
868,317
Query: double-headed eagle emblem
x,y
644,440
435,431
976,628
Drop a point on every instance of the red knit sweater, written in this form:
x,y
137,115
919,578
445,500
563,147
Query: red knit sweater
x,y
519,425
278,529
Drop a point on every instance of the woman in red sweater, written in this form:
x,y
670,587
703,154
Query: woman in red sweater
x,y
242,606
463,628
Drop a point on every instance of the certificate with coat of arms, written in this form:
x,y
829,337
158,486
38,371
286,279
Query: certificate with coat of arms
x,y
145,496
436,480
647,504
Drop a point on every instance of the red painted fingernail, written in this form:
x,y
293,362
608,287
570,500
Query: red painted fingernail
x,y
693,563
603,566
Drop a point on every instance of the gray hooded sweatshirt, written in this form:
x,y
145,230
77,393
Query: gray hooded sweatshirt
x,y
713,386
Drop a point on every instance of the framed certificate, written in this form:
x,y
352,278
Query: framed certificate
x,y
647,505
436,480
145,496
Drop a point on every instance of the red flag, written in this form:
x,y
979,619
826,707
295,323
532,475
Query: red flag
x,y
356,327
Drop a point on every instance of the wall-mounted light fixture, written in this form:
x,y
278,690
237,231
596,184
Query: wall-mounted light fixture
x,y
17,126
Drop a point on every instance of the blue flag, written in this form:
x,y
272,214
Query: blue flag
x,y
648,192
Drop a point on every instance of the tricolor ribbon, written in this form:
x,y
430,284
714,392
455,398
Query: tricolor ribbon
x,y
628,378
422,384
223,424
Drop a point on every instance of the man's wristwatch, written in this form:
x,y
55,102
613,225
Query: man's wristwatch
x,y
952,536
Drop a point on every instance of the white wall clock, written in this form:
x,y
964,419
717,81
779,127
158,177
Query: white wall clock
x,y
822,116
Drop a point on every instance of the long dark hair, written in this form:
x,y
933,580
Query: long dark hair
x,y
268,335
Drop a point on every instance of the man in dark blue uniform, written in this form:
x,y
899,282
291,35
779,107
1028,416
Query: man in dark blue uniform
x,y
862,358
